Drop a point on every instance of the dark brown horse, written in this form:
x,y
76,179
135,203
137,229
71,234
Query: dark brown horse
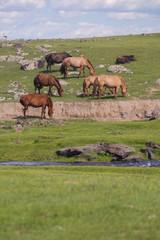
x,y
47,80
36,101
76,62
125,59
52,58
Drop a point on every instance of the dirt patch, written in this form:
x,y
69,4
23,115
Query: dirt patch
x,y
98,110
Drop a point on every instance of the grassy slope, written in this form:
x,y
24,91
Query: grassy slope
x,y
140,84
79,203
41,143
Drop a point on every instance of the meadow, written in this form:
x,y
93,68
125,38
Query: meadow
x,y
100,51
105,203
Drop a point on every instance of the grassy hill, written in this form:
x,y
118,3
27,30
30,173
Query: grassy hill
x,y
141,84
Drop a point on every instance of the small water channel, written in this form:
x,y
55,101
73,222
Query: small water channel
x,y
137,163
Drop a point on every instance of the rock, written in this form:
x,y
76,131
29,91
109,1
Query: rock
x,y
158,81
32,64
155,114
119,150
100,66
3,58
12,58
124,115
2,98
18,45
63,83
118,69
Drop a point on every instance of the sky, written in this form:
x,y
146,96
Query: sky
x,y
46,19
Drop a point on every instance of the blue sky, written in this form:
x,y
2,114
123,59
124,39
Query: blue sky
x,y
44,19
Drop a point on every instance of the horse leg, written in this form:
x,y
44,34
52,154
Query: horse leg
x,y
99,92
49,92
116,91
39,90
35,90
43,112
80,72
24,111
83,71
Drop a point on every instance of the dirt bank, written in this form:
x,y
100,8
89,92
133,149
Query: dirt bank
x,y
98,110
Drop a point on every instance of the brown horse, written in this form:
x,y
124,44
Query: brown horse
x,y
36,101
89,81
125,59
110,82
52,58
47,80
76,62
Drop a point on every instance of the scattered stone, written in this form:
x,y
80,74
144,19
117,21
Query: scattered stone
x,y
12,58
158,81
100,66
118,69
3,58
64,83
155,114
124,115
2,98
18,45
76,50
72,73
36,63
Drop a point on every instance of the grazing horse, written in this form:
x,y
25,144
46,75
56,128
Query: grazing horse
x,y
89,81
36,101
52,58
110,82
125,59
47,80
76,62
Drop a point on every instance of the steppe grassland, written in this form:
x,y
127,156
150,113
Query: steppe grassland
x,y
141,84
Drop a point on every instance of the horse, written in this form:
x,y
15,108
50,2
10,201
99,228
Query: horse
x,y
36,101
110,82
52,58
125,59
47,80
76,62
89,81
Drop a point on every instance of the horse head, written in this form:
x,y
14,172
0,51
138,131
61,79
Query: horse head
x,y
60,92
50,112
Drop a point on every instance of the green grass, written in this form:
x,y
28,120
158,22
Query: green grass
x,y
141,84
42,142
79,203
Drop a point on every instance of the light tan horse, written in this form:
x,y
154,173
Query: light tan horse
x,y
110,82
89,81
76,62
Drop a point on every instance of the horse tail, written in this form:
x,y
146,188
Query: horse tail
x,y
95,84
21,100
63,67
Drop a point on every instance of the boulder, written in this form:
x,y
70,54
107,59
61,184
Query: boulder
x,y
118,150
3,58
32,64
118,69
12,58
155,114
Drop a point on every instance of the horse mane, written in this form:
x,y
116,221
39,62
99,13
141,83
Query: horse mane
x,y
122,81
50,101
89,62
57,81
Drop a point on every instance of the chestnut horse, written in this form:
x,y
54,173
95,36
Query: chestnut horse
x,y
89,81
52,58
110,82
36,101
76,62
47,80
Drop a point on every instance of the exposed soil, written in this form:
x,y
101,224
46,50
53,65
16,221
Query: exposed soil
x,y
99,110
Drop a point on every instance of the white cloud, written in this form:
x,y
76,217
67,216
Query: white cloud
x,y
18,4
128,15
129,5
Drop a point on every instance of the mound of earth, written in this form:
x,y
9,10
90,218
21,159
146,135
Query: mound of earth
x,y
97,110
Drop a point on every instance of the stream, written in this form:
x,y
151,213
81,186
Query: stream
x,y
133,163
